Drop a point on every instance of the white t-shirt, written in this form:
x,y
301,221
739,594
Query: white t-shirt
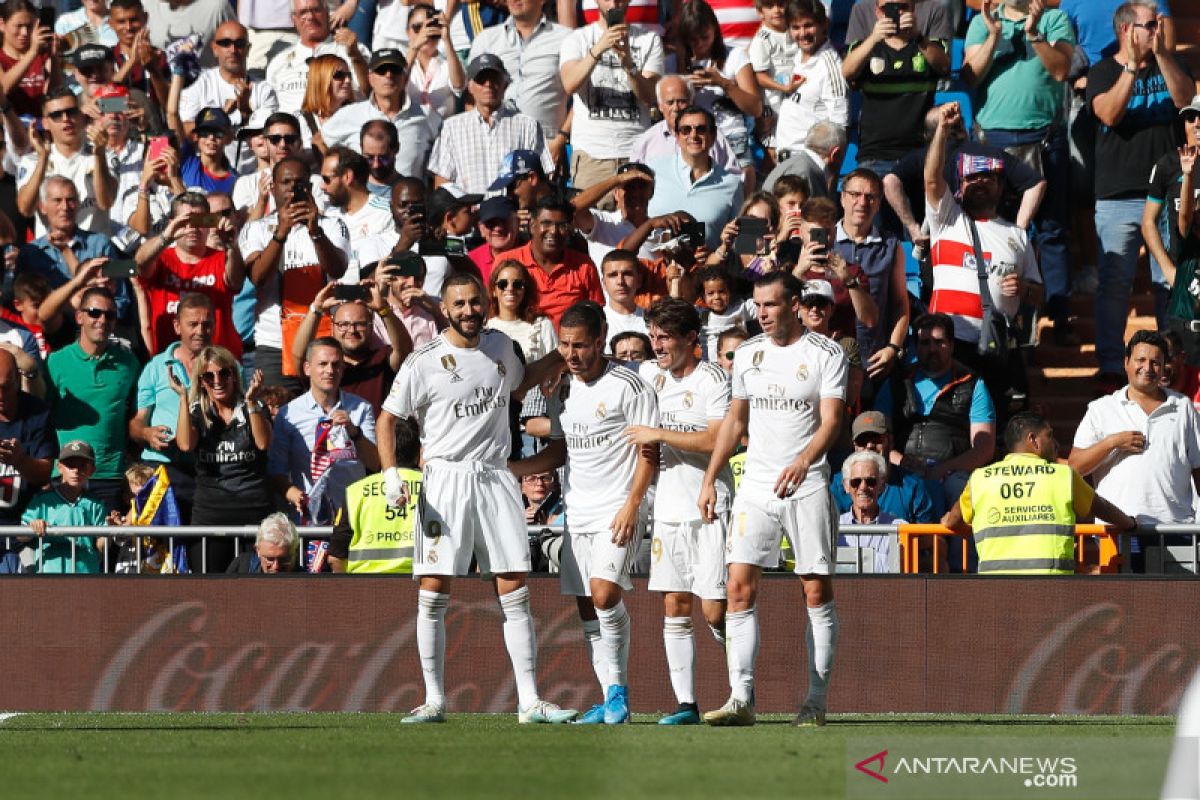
x,y
955,279
288,71
374,218
823,97
620,323
298,251
784,387
1156,484
608,229
212,91
608,115
78,170
689,404
600,461
738,315
774,53
460,398
535,339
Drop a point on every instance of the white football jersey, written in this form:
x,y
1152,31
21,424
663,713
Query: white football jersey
x,y
689,404
460,397
784,387
592,417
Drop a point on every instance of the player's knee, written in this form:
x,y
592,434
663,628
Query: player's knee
x,y
677,604
818,590
605,595
740,594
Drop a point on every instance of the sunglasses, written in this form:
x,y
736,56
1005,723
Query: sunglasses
x,y
1149,27
209,133
540,478
341,75
109,314
381,159
211,378
62,114
688,130
389,69
504,283
327,179
870,482
284,138
240,44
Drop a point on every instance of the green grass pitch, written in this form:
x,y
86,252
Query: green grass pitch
x,y
297,756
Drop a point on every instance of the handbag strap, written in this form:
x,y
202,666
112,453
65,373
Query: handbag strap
x,y
985,292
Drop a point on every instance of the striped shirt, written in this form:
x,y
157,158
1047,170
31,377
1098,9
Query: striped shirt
x,y
823,97
738,21
469,151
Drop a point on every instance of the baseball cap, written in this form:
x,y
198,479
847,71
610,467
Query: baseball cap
x,y
405,263
444,200
77,449
91,55
973,165
817,288
514,165
1191,108
498,207
869,422
483,63
213,119
388,55
255,125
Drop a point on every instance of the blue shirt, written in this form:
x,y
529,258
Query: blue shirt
x,y
982,409
904,496
155,393
1093,21
715,199
45,259
193,174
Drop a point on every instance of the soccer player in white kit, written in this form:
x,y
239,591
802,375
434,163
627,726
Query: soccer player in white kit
x,y
458,386
687,556
789,389
605,472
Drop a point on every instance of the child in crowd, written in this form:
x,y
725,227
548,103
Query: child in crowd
x,y
29,289
720,314
65,503
792,192
727,344
155,554
772,53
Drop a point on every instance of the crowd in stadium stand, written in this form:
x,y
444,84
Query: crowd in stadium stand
x,y
225,229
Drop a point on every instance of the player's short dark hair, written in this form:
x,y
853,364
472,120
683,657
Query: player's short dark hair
x,y
383,128
193,300
790,184
281,118
1020,426
692,111
1152,338
933,322
793,287
462,279
806,9
623,335
674,316
585,314
322,341
347,159
408,442
554,201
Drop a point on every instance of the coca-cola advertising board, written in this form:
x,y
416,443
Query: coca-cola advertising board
x,y
1086,645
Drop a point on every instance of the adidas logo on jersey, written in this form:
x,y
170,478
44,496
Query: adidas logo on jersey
x,y
822,560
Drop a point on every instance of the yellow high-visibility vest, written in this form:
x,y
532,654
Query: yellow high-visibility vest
x,y
383,534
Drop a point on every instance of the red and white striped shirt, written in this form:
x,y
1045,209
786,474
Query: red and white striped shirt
x,y
640,12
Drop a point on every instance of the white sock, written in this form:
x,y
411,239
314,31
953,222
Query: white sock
x,y
741,651
821,637
431,643
614,641
521,641
591,637
718,632
680,645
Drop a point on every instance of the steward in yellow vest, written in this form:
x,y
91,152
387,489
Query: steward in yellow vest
x,y
1024,507
380,535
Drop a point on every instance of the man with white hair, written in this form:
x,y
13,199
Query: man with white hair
x,y
674,95
276,549
864,474
817,161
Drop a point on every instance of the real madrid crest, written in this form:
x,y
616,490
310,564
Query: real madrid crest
x,y
757,360
659,382
601,411
451,366
501,368
687,399
802,372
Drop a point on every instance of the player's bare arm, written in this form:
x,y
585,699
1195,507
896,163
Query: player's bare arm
x,y
625,523
550,457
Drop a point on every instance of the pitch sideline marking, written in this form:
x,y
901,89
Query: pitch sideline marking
x,y
6,717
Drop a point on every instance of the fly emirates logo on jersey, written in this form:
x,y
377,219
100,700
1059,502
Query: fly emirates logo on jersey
x,y
486,399
776,399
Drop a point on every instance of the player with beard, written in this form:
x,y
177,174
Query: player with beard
x,y
458,387
789,389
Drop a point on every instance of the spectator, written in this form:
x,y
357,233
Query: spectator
x,y
498,227
148,208
473,144
945,422
727,343
621,278
897,67
772,52
227,86
154,425
817,162
817,92
167,22
859,240
791,192
631,348
1135,95
759,205
324,440
693,181
290,269
65,152
543,498
288,71
901,494
369,369
276,549
1017,62
379,143
563,276
29,58
95,73
27,446
632,187
513,309
817,312
140,65
59,252
1113,444
68,504
180,260
438,82
529,44
230,435
865,473
720,314
677,257
400,279
371,536
390,100
1093,24
933,20
1183,308
522,179
91,19
722,78
205,164
853,303
674,94
344,174
29,290
91,390
610,71
279,139
330,86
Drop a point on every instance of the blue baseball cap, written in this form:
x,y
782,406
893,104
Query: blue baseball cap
x,y
515,164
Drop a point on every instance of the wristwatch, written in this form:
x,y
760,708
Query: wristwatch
x,y
1035,38
1129,69
383,312
852,283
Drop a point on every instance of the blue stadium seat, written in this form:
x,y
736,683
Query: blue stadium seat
x,y
851,159
956,57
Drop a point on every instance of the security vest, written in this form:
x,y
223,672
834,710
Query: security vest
x,y
382,539
945,431
1024,516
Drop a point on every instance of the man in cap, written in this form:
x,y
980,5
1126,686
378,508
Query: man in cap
x,y
226,86
473,144
903,495
522,178
390,101
498,227
67,504
288,71
632,186
451,214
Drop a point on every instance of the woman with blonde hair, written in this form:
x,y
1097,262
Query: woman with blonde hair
x,y
229,433
330,86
